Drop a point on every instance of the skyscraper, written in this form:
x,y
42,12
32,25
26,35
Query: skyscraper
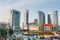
x,y
49,19
15,19
26,19
41,19
54,20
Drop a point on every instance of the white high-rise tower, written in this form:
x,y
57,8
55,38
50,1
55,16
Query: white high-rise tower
x,y
54,20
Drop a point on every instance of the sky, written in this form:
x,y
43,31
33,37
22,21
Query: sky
x,y
33,6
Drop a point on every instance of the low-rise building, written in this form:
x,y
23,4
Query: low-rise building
x,y
48,27
4,25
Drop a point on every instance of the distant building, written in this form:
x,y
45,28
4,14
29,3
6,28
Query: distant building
x,y
36,22
32,23
48,27
15,20
54,20
33,26
49,19
41,20
8,26
26,19
59,28
3,25
22,25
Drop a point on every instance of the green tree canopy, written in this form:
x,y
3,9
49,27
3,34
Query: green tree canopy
x,y
3,32
10,32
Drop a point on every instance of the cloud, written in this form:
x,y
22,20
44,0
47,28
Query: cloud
x,y
4,9
7,5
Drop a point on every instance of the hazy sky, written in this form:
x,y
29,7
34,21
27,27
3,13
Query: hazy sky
x,y
33,6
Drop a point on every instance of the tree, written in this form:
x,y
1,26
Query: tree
x,y
10,32
3,32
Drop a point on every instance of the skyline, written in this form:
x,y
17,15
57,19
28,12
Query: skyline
x,y
32,5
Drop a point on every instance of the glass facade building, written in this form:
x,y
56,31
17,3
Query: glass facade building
x,y
15,19
41,20
54,20
49,19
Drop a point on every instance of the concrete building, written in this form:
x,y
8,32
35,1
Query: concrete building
x,y
26,19
8,26
54,20
33,25
48,27
3,25
49,19
15,20
41,20
36,22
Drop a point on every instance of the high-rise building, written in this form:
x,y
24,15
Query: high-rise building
x,y
54,20
26,19
15,19
36,22
49,19
41,20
